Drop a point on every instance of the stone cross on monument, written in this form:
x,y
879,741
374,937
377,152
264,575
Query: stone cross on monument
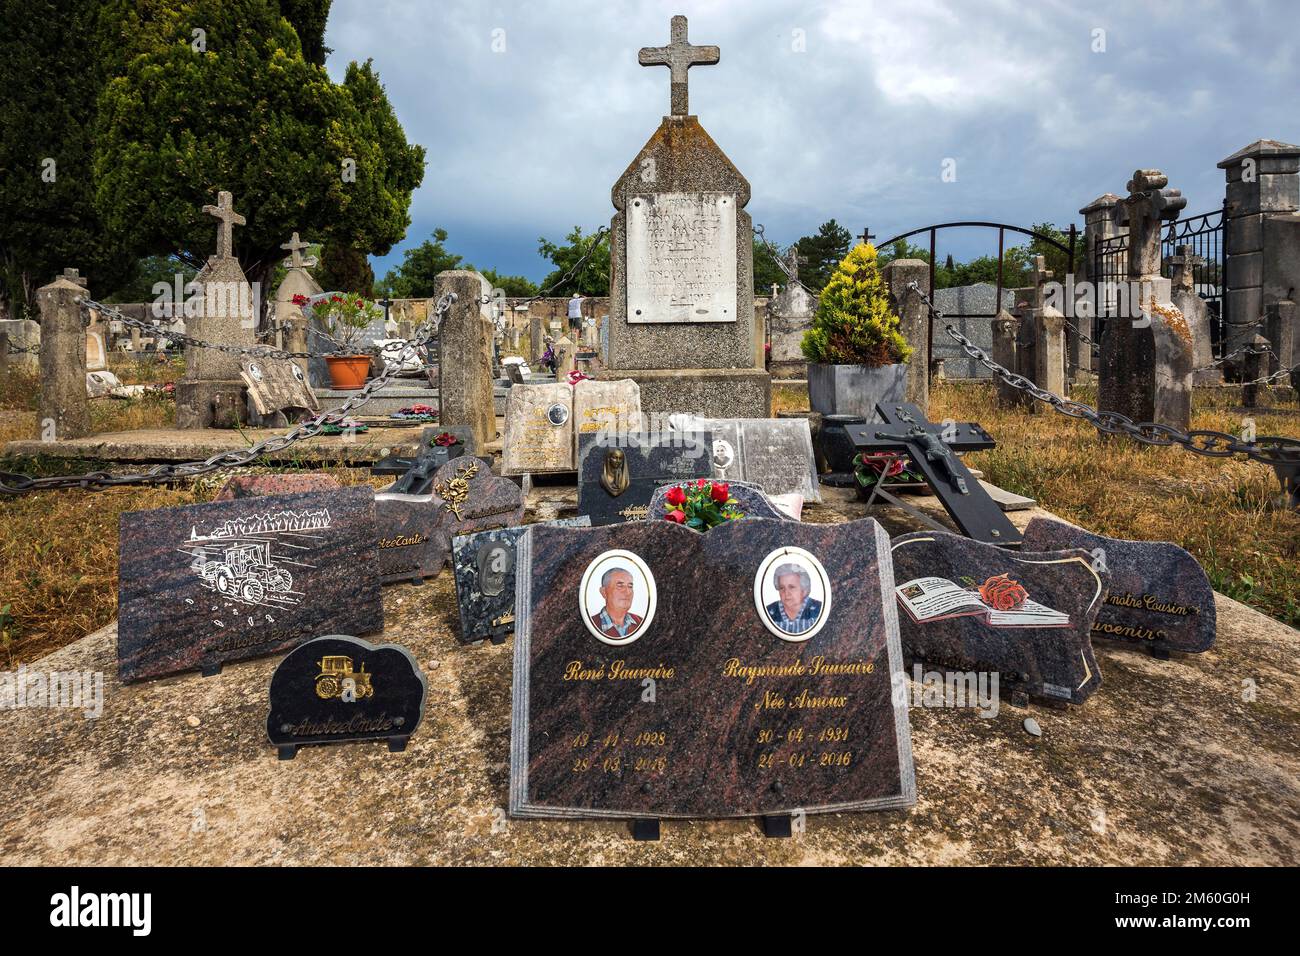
x,y
74,276
792,260
294,247
1041,276
1184,267
679,56
224,210
1148,205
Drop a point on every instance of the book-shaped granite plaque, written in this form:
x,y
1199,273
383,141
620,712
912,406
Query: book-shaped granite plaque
x,y
205,585
484,564
971,607
1159,597
336,688
659,672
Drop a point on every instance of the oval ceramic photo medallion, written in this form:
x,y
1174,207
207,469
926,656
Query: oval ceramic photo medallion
x,y
792,594
617,598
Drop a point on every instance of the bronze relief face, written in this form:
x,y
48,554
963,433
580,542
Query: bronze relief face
x,y
614,477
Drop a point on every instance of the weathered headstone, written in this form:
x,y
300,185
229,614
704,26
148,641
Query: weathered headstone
x,y
337,688
1043,339
465,347
1006,333
63,404
967,607
205,585
538,430
1145,370
24,342
774,453
681,264
485,563
277,385
1282,329
212,393
790,315
914,321
751,501
415,531
754,720
437,445
1159,597
1195,312
617,476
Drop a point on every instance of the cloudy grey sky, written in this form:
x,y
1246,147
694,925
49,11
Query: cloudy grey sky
x,y
844,108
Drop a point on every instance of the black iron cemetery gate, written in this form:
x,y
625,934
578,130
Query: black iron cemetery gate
x,y
1067,248
1206,238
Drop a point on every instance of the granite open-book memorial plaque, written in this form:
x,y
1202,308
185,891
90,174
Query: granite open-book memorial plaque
x,y
1027,617
746,671
205,585
336,689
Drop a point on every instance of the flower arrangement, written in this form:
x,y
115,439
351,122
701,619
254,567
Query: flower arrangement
x,y
869,468
854,323
576,376
1003,594
343,315
703,505
444,440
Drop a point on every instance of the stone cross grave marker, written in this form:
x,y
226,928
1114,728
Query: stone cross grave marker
x,y
295,247
679,56
966,606
932,449
767,715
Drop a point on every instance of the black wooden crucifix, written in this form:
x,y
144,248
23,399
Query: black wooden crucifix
x,y
933,450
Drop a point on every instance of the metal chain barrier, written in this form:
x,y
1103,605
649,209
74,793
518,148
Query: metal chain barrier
x,y
780,262
1270,449
11,484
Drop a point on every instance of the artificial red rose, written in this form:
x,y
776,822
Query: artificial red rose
x,y
701,483
300,299
446,439
721,492
1003,594
675,496
884,464
676,517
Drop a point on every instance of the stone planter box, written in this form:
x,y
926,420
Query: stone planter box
x,y
855,389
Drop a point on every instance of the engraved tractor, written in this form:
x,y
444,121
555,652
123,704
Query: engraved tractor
x,y
246,572
334,671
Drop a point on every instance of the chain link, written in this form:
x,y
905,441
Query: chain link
x,y
99,480
1269,449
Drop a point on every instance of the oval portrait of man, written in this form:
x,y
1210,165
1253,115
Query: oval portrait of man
x,y
792,594
617,597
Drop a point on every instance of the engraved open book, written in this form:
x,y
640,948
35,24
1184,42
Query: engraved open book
x,y
937,599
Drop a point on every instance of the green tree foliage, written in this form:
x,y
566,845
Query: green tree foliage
x,y
148,273
344,269
413,279
48,86
242,106
591,279
824,252
766,269
516,287
308,19
854,324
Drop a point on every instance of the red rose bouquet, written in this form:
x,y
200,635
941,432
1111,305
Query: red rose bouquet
x,y
703,505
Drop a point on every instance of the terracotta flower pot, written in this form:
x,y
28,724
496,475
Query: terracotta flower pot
x,y
348,371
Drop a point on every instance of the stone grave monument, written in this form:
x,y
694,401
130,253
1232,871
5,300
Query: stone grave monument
x,y
1145,370
682,319
211,394
290,317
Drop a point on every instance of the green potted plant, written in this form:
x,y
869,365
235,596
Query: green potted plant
x,y
855,350
343,316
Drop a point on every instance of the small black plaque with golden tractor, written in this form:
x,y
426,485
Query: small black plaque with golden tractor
x,y
339,688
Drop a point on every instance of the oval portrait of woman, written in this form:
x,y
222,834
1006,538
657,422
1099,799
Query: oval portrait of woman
x,y
617,597
793,594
